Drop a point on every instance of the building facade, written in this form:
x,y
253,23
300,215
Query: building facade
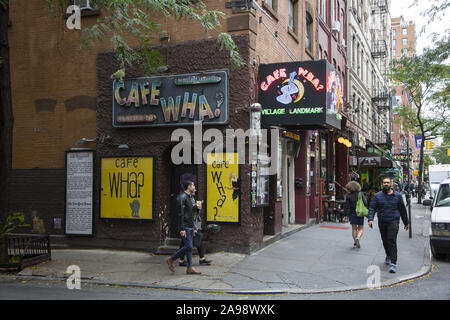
x,y
332,22
369,108
93,156
403,43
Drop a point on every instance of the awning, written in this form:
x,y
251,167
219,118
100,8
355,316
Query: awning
x,y
372,160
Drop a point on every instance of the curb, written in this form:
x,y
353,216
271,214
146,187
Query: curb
x,y
423,271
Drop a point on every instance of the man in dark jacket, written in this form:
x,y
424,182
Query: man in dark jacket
x,y
390,207
186,226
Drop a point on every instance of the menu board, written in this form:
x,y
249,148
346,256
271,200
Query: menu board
x,y
79,192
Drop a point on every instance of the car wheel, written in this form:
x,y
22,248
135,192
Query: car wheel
x,y
438,256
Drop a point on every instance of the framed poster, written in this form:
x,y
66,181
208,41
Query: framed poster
x,y
126,187
223,187
260,184
79,192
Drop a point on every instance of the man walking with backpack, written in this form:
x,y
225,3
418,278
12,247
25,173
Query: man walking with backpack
x,y
390,207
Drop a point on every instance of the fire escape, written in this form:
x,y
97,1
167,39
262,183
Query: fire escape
x,y
381,98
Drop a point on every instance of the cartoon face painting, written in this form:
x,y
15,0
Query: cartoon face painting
x,y
291,91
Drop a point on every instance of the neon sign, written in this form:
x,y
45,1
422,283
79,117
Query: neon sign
x,y
300,93
281,74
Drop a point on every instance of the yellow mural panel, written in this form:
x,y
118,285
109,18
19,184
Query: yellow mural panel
x,y
127,187
222,187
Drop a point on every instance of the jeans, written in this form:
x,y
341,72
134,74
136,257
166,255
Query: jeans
x,y
389,231
200,249
186,249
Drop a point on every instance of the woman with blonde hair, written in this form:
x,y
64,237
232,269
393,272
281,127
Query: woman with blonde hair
x,y
354,188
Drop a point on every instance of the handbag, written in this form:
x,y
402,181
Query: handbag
x,y
361,210
197,240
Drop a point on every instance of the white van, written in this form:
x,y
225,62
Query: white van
x,y
437,173
440,220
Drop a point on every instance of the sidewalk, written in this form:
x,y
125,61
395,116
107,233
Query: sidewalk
x,y
320,258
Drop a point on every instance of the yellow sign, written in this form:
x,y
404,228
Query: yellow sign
x,y
126,187
429,145
448,152
416,172
222,187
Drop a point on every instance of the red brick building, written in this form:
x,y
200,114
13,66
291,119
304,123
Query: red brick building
x,y
62,102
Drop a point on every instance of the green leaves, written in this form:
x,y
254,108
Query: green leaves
x,y
13,221
137,18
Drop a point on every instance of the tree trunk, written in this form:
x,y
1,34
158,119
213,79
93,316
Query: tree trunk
x,y
420,177
6,114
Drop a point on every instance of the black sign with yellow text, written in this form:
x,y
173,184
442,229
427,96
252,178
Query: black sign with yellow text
x,y
174,100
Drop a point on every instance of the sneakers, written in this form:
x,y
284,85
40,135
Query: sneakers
x,y
357,243
205,262
182,263
393,268
387,261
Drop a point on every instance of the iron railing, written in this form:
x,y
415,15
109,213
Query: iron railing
x,y
27,249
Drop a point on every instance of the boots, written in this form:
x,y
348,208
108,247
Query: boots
x,y
170,264
191,270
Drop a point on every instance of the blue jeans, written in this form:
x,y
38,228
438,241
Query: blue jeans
x,y
186,249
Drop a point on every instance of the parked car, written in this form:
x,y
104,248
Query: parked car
x,y
440,220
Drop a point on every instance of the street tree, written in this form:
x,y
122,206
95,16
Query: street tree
x,y
426,79
441,153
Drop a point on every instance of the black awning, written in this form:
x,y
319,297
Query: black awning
x,y
372,160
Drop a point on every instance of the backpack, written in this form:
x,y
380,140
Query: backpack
x,y
361,210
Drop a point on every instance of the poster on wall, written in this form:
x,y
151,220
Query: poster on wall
x,y
222,188
127,187
79,192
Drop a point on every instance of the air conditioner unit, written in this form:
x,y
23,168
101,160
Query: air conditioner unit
x,y
85,4
336,27
343,42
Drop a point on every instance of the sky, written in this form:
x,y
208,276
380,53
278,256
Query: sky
x,y
402,8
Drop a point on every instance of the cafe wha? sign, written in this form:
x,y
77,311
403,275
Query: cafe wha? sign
x,y
175,100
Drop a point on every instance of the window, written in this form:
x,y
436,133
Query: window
x,y
404,51
393,32
85,4
292,15
394,52
404,41
404,31
394,42
269,3
323,9
309,23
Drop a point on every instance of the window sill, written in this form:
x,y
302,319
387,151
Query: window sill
x,y
270,10
293,35
309,53
86,13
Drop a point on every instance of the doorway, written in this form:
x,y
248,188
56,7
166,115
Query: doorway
x,y
179,174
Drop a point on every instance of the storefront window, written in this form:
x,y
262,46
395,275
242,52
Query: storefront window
x,y
308,169
317,169
323,163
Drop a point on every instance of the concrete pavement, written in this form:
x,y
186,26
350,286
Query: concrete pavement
x,y
319,258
